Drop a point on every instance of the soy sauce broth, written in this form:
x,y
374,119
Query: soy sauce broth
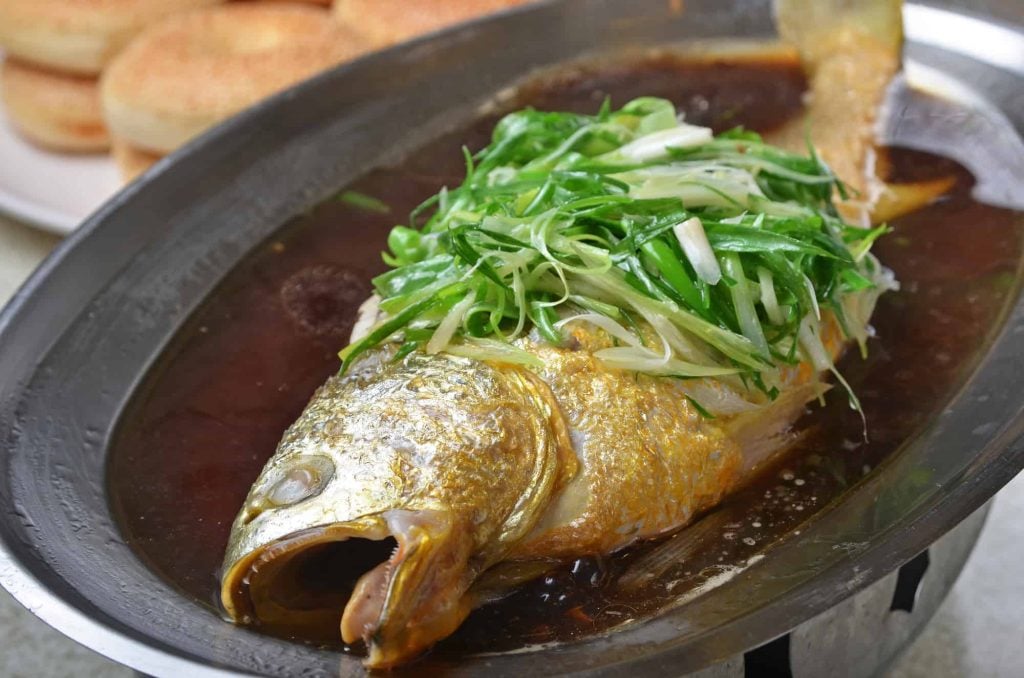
x,y
210,414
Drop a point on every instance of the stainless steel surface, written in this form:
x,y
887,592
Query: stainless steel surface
x,y
976,632
77,338
862,635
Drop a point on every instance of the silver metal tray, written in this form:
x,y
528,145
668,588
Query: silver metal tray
x,y
79,336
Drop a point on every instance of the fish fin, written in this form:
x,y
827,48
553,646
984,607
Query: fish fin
x,y
765,432
677,549
498,581
367,316
850,50
895,200
813,26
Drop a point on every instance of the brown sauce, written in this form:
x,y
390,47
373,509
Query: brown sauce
x,y
210,414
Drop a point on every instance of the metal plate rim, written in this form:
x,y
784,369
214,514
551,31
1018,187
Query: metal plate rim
x,y
69,619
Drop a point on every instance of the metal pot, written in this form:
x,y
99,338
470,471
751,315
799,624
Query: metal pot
x,y
81,333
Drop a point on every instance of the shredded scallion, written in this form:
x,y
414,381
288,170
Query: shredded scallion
x,y
725,250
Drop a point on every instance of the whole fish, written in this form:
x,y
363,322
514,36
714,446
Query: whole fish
x,y
469,465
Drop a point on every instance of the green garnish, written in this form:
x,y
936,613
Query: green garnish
x,y
364,202
724,249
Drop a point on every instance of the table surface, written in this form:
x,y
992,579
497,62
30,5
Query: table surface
x,y
977,632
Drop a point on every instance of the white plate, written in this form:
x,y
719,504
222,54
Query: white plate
x,y
54,191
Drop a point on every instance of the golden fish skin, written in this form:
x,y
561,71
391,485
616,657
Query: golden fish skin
x,y
648,460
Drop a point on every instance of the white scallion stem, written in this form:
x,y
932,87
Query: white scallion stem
x,y
647,361
656,145
605,323
810,342
442,336
814,297
743,301
768,298
494,350
694,241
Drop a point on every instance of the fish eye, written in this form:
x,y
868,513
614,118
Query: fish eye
x,y
301,481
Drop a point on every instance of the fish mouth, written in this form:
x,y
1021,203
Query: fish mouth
x,y
395,583
301,584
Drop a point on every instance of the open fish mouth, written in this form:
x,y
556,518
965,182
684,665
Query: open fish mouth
x,y
301,584
356,579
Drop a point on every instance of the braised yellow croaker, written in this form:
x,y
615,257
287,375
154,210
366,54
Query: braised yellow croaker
x,y
606,329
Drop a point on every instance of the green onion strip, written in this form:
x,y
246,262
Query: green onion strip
x,y
724,251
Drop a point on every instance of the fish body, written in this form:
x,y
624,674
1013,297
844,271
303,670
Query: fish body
x,y
467,464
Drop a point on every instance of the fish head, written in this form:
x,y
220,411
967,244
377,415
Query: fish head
x,y
393,491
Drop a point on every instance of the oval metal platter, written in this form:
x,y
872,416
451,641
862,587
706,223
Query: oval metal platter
x,y
79,337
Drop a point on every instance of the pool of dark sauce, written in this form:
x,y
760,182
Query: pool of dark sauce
x,y
210,414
